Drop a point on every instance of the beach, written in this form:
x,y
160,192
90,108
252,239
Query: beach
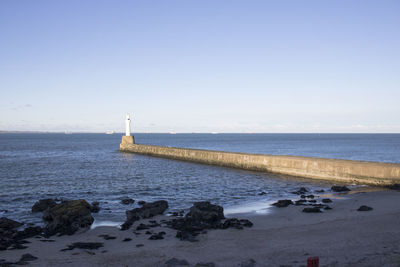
x,y
286,236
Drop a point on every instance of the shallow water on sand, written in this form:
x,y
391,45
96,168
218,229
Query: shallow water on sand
x,y
89,166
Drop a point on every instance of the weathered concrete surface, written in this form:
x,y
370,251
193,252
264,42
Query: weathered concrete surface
x,y
128,139
361,172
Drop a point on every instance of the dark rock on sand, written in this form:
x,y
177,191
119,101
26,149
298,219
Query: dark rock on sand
x,y
13,239
127,201
327,208
127,239
205,211
68,217
283,203
338,188
174,262
157,236
43,205
312,210
142,227
108,237
148,210
84,245
364,208
236,223
28,232
202,216
326,200
248,263
27,257
205,264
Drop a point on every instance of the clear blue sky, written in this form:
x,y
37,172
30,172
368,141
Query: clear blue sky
x,y
200,66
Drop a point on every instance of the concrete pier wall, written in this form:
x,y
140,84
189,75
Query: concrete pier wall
x,y
316,168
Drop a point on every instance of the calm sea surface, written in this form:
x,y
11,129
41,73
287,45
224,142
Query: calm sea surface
x,y
89,166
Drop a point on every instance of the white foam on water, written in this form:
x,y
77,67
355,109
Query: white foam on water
x,y
258,207
105,223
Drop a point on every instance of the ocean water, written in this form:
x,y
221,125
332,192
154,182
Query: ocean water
x,y
89,166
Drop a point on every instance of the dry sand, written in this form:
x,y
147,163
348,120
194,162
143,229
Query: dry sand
x,y
342,236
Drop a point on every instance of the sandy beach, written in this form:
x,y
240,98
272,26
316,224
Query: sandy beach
x,y
287,236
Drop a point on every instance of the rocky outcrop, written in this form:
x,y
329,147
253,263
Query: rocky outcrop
x,y
43,205
68,217
364,208
283,203
338,188
202,216
127,201
11,237
148,210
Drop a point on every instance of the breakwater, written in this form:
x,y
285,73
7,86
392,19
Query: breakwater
x,y
350,171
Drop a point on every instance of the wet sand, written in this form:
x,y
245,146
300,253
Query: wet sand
x,y
342,236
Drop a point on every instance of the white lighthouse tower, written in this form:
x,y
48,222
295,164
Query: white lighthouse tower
x,y
128,138
128,125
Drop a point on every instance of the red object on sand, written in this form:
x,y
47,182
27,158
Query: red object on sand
x,y
313,262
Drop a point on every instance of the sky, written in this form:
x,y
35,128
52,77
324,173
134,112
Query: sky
x,y
200,66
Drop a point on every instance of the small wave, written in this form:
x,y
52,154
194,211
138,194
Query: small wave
x,y
258,207
105,223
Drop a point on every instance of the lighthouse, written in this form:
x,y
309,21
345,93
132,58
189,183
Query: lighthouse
x,y
128,125
128,138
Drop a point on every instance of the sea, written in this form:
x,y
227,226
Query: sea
x,y
90,166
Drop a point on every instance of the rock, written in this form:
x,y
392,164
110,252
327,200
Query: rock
x,y
300,202
157,236
8,224
127,201
95,207
312,201
68,217
207,264
174,262
27,257
327,208
142,227
338,188
235,223
248,263
301,191
364,208
310,196
320,191
205,211
43,205
84,245
139,245
127,239
29,232
326,200
283,203
148,210
141,202
262,193
312,210
108,237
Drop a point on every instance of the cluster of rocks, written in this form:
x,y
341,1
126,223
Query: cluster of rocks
x,y
174,262
203,216
24,260
306,199
147,210
11,238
